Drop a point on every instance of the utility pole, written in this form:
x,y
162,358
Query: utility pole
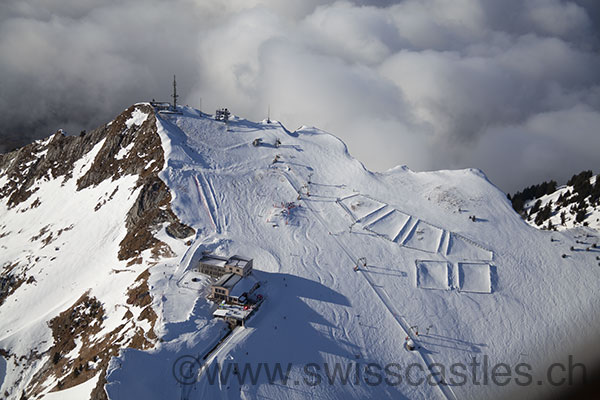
x,y
175,95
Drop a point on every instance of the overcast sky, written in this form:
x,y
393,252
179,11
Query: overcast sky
x,y
511,87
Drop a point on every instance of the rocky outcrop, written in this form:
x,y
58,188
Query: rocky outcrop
x,y
52,158
151,209
144,155
56,156
127,146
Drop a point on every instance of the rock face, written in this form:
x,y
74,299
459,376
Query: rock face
x,y
151,208
144,158
50,159
128,147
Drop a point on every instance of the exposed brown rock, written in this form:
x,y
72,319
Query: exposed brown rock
x,y
146,148
83,320
139,294
23,167
43,231
150,212
10,280
80,321
145,159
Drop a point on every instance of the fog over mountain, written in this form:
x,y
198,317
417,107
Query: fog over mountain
x,y
510,87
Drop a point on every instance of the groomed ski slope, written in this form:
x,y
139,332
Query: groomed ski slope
x,y
318,308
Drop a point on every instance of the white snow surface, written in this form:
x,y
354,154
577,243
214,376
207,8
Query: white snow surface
x,y
77,254
508,295
82,258
494,287
592,218
81,391
137,118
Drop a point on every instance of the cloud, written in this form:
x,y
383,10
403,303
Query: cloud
x,y
510,87
546,145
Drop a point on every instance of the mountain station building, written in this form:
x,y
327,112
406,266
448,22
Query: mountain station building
x,y
217,266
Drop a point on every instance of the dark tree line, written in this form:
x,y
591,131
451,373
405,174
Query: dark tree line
x,y
543,214
532,192
584,193
583,188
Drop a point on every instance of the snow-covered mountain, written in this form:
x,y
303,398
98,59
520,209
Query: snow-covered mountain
x,y
81,223
100,235
576,204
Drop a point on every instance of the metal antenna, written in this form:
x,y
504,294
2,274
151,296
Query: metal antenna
x,y
175,95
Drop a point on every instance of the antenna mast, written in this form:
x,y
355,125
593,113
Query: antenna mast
x,y
175,95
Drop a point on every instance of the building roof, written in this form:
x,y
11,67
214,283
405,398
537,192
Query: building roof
x,y
217,261
232,312
243,286
238,261
227,281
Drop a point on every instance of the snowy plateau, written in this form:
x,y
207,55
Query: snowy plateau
x,y
100,236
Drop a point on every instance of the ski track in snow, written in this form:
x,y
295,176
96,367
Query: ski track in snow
x,y
427,359
211,208
507,289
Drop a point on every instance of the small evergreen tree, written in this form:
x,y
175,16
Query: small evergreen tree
x,y
544,214
580,216
536,207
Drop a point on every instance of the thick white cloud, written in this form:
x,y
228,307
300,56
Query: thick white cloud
x,y
511,87
363,35
549,144
557,18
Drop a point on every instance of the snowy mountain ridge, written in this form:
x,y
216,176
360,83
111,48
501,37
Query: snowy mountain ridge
x,y
78,215
576,204
107,229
